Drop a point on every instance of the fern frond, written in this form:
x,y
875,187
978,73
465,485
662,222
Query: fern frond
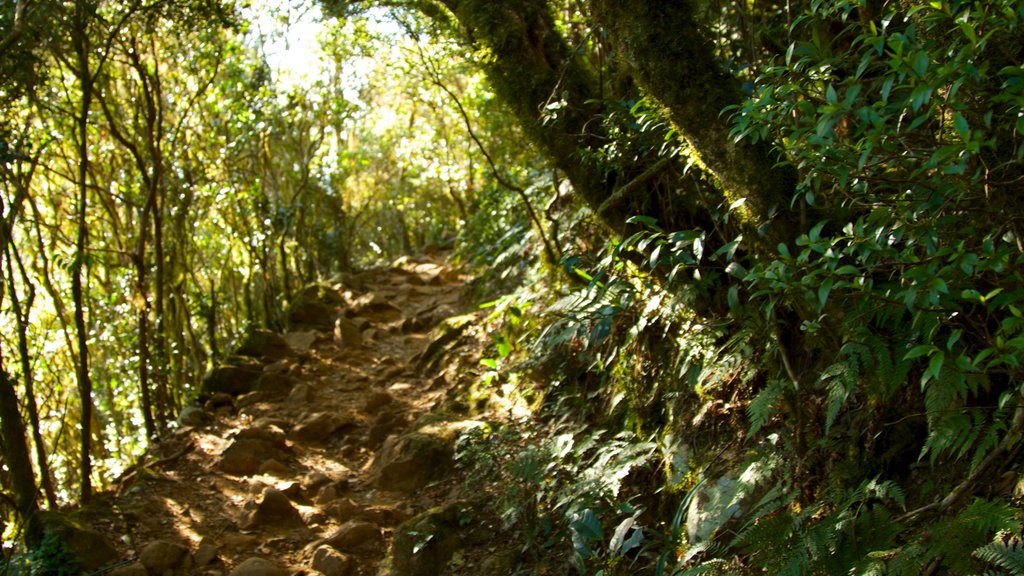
x,y
762,407
1008,556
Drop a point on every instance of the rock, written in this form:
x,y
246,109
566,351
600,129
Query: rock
x,y
253,398
267,430
245,455
331,492
322,292
273,383
274,509
318,427
205,554
311,312
191,416
314,481
443,338
258,567
384,425
91,548
275,468
712,506
423,544
264,344
133,569
348,333
356,535
377,400
230,379
331,563
219,400
344,509
161,557
374,302
301,394
410,462
384,515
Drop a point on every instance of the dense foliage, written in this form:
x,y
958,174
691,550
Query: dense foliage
x,y
754,270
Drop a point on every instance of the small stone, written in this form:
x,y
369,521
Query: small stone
x,y
302,393
348,333
330,562
205,554
355,535
161,556
258,567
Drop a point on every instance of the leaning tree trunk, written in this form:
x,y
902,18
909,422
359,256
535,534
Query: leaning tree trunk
x,y
674,61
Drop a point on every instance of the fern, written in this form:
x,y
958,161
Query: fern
x,y
1007,555
762,407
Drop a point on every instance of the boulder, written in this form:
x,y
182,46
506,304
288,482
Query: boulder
x,y
89,547
264,344
244,456
162,557
318,427
273,383
356,535
410,462
258,567
274,509
311,312
205,554
230,379
425,543
331,562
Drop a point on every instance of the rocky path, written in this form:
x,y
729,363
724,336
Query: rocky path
x,y
313,445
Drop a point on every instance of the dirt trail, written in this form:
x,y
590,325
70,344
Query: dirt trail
x,y
292,472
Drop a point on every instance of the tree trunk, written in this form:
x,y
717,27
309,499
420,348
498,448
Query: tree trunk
x,y
674,61
85,81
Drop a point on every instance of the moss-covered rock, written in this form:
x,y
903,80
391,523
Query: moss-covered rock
x,y
64,533
425,543
409,462
264,344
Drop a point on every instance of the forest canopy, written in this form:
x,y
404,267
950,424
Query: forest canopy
x,y
773,250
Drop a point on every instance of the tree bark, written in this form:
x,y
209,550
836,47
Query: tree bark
x,y
80,39
675,62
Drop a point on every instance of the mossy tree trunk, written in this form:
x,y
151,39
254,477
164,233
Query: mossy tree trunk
x,y
675,63
558,98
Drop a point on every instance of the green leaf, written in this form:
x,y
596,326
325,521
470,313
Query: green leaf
x,y
823,291
919,351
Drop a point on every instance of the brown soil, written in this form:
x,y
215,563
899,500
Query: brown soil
x,y
337,404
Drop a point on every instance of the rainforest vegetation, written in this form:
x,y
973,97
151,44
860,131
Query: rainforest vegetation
x,y
754,269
